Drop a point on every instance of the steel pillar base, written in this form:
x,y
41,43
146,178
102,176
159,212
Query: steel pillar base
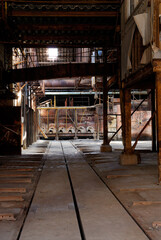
x,y
105,148
129,159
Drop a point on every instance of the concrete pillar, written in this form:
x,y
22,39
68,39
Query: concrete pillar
x,y
127,157
158,108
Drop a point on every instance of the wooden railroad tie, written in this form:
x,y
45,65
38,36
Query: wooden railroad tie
x,y
17,169
7,217
12,190
22,180
118,176
136,189
8,175
25,164
11,199
145,203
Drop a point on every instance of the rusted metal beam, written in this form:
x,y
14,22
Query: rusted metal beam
x,y
59,71
67,27
23,13
40,44
53,37
67,1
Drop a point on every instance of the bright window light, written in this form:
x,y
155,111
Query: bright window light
x,y
53,53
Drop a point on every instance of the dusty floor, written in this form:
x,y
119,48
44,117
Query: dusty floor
x,y
81,193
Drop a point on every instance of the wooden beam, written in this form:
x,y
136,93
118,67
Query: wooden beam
x,y
12,190
126,119
7,217
142,74
11,198
23,13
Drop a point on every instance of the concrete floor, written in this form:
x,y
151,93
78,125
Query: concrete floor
x,y
84,194
134,186
53,212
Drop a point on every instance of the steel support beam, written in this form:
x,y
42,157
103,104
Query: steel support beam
x,y
59,71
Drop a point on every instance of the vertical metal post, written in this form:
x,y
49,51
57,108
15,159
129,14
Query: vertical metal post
x,y
105,126
54,101
48,120
3,10
75,121
154,147
158,107
66,119
105,147
57,124
98,128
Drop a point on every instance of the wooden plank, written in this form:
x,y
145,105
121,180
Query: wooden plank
x,y
17,169
8,175
118,176
22,180
137,189
12,190
156,224
7,217
11,199
145,203
14,164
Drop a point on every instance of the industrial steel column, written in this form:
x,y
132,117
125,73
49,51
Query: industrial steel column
x,y
105,147
127,157
76,123
57,125
158,107
154,147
